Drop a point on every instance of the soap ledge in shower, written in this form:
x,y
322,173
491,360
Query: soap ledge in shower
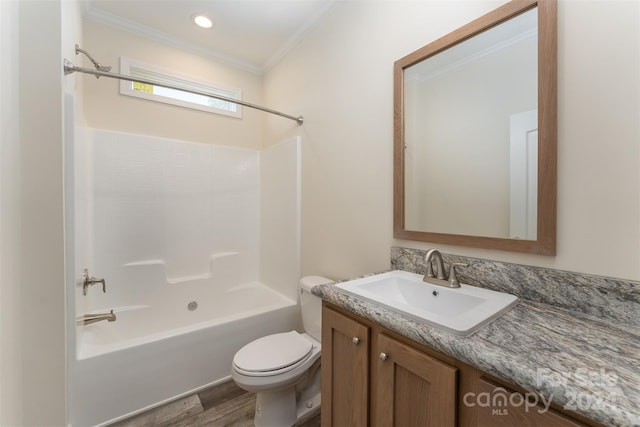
x,y
183,279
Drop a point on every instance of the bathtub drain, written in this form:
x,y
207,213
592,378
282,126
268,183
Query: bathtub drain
x,y
192,306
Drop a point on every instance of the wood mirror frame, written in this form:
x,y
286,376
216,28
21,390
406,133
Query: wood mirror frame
x,y
545,243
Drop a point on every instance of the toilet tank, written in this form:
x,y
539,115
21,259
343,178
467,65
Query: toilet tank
x,y
311,305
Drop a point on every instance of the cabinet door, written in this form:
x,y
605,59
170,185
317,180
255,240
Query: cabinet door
x,y
501,407
412,388
345,371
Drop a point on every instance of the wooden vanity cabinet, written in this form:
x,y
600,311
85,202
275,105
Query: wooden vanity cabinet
x,y
345,370
374,377
511,410
412,388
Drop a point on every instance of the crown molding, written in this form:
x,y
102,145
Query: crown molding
x,y
135,28
297,37
491,50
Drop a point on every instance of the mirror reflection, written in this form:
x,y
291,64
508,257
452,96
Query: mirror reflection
x,y
470,132
475,133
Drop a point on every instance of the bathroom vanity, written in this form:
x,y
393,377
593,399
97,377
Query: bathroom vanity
x,y
374,376
566,354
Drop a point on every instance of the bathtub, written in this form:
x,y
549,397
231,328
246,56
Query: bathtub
x,y
171,347
181,231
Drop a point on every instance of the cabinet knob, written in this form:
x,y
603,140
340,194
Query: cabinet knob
x,y
356,340
384,356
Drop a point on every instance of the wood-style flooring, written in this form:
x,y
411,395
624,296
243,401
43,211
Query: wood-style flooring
x,y
219,406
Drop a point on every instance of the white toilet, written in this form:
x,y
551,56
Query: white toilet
x,y
284,369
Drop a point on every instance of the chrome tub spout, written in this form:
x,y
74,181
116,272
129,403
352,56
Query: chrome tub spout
x,y
88,319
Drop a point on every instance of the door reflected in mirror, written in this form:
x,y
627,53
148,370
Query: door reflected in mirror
x,y
475,134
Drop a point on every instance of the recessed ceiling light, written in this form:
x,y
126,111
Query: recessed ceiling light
x,y
202,20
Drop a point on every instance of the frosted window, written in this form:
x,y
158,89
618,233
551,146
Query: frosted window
x,y
175,96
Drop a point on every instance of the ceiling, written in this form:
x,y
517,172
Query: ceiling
x,y
249,34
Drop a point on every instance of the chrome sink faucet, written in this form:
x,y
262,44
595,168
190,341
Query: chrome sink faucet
x,y
434,254
441,277
88,319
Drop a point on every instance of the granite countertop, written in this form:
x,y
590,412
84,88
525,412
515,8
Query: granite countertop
x,y
580,362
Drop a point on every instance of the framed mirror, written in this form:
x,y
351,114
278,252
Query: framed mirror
x,y
475,133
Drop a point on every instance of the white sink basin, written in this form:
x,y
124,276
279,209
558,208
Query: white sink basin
x,y
460,311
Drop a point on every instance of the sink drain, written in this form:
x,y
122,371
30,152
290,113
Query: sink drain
x,y
192,306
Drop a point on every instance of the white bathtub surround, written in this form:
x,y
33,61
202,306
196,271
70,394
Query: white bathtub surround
x,y
179,205
280,208
179,230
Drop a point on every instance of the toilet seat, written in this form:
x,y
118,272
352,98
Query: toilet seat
x,y
273,355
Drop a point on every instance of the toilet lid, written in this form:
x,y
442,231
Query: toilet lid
x,y
273,352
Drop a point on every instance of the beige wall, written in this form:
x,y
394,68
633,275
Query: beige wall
x,y
105,108
10,343
32,291
340,78
42,253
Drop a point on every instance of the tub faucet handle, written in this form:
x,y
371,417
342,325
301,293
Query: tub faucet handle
x,y
90,280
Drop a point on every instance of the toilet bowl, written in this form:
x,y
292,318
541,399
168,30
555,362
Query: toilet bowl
x,y
284,368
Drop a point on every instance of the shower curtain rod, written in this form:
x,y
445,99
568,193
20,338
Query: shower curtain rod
x,y
70,68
